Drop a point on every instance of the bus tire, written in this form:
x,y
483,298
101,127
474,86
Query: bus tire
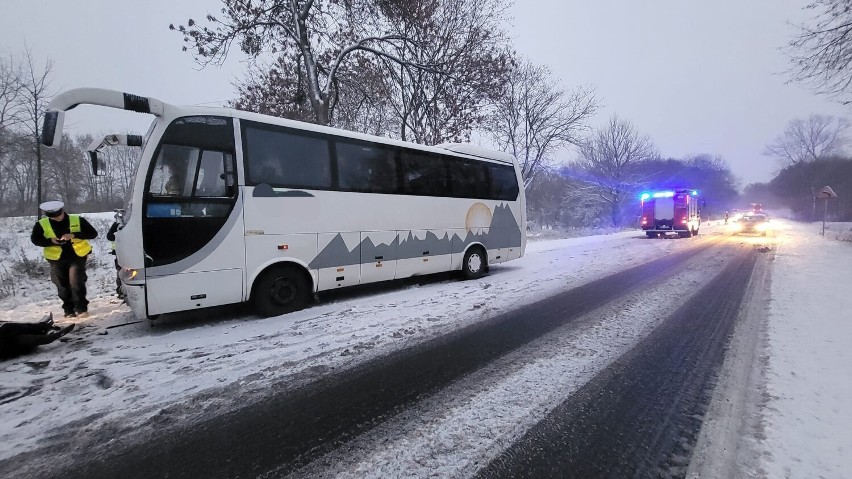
x,y
279,290
475,263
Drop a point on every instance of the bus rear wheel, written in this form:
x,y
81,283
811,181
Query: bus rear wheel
x,y
280,290
475,263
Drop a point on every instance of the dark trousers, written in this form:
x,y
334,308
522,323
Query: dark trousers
x,y
118,290
69,276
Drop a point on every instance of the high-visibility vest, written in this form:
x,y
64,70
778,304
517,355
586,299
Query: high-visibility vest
x,y
81,246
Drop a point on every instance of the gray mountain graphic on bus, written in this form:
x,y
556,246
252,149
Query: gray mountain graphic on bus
x,y
503,232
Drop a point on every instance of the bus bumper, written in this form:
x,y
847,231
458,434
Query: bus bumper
x,y
135,298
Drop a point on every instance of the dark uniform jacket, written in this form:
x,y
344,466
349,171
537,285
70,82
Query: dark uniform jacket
x,y
87,232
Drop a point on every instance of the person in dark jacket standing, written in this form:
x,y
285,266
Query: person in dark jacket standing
x,y
64,238
111,238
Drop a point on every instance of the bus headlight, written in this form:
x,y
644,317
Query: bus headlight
x,y
132,276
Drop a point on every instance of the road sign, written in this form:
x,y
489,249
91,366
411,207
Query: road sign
x,y
827,193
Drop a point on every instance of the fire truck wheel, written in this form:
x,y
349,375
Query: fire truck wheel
x,y
695,232
651,235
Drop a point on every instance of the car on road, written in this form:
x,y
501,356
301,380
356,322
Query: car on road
x,y
752,223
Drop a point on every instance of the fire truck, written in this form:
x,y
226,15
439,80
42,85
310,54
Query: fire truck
x,y
671,211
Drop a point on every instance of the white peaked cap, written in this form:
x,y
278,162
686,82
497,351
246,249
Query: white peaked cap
x,y
51,206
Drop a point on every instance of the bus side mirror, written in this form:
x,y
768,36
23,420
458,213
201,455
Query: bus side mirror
x,y
51,130
98,164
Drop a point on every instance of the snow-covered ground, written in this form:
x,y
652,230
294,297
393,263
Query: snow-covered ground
x,y
115,371
808,414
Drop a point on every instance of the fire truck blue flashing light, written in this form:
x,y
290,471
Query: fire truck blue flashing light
x,y
663,194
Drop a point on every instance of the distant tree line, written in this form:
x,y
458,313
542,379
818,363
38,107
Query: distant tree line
x,y
427,71
797,186
812,154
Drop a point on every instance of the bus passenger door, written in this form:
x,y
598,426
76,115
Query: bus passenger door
x,y
338,260
192,225
378,256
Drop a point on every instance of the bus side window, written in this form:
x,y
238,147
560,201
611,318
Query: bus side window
x,y
288,158
424,175
468,179
504,186
368,169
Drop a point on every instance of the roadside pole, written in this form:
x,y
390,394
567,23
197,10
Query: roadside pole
x,y
825,194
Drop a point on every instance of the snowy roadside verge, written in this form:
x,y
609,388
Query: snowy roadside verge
x,y
808,417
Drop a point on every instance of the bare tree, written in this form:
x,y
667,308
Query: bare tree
x,y
322,35
821,54
465,40
817,137
607,161
807,141
276,88
35,87
360,101
535,117
10,102
111,190
66,174
10,95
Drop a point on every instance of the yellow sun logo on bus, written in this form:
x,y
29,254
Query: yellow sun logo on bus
x,y
478,218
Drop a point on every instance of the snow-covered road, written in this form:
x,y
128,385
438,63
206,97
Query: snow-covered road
x,y
107,380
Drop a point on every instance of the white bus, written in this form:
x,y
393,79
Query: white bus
x,y
229,206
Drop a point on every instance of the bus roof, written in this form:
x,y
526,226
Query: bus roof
x,y
54,119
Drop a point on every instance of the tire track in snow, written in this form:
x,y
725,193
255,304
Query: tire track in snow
x,y
641,416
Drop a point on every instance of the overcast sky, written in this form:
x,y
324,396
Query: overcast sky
x,y
697,77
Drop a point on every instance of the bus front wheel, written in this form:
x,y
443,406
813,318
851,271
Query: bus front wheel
x,y
475,263
280,290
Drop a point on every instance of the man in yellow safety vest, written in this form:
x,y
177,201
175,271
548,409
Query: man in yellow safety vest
x,y
64,238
